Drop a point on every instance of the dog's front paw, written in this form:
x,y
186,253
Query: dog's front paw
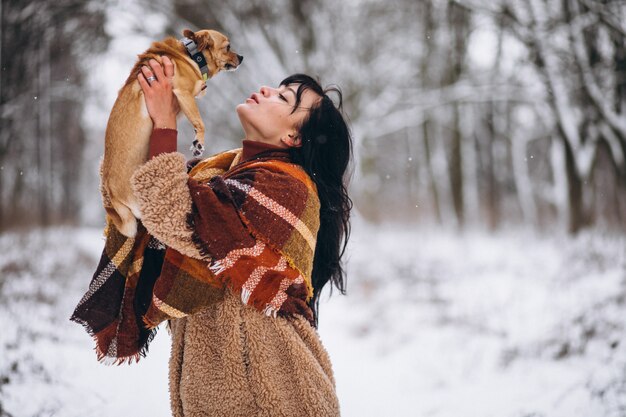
x,y
197,148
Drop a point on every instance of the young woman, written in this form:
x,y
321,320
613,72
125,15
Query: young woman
x,y
272,221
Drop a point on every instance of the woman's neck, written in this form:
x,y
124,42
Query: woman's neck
x,y
251,148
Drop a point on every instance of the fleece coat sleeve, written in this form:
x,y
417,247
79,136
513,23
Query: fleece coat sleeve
x,y
160,186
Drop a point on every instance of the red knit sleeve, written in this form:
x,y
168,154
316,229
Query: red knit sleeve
x,y
162,140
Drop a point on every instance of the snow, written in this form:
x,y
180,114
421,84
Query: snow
x,y
49,362
436,323
467,324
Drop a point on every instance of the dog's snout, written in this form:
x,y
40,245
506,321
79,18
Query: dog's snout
x,y
240,58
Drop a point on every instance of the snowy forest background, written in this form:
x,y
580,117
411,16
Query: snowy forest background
x,y
487,268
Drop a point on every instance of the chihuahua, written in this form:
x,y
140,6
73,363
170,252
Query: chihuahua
x,y
198,56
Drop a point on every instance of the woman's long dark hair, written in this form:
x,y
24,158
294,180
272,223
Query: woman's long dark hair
x,y
325,154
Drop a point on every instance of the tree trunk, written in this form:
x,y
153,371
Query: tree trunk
x,y
455,166
575,220
431,175
493,209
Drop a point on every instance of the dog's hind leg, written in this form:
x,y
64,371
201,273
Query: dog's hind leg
x,y
123,218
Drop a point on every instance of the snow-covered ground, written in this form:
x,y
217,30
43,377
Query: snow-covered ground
x,y
436,323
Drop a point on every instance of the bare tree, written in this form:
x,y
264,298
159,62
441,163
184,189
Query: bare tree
x,y
562,38
41,140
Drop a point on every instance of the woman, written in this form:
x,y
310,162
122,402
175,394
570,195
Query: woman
x,y
271,220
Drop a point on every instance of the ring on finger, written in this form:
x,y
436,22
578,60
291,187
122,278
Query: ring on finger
x,y
151,78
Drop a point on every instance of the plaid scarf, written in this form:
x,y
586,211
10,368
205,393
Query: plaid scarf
x,y
254,225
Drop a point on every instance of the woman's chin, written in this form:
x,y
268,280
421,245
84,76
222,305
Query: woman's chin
x,y
242,113
240,108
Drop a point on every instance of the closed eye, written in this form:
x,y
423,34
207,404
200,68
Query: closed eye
x,y
227,48
283,98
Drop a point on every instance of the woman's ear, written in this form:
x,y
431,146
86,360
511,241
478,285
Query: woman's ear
x,y
292,140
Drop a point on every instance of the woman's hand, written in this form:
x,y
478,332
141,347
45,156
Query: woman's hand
x,y
160,100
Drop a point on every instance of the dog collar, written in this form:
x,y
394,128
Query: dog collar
x,y
197,56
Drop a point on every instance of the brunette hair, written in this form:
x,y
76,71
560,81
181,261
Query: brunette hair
x,y
325,155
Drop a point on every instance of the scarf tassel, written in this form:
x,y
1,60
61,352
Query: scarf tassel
x,y
108,357
217,267
270,311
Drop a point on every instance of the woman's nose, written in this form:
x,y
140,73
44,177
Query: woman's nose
x,y
265,91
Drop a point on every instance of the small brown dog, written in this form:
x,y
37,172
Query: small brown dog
x,y
196,58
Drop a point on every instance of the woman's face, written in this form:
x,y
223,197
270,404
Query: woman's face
x,y
267,116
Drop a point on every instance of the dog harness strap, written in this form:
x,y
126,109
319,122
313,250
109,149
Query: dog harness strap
x,y
192,50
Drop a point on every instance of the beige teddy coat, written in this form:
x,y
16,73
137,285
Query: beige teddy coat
x,y
230,359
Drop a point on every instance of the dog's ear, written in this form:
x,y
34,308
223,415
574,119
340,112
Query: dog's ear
x,y
202,39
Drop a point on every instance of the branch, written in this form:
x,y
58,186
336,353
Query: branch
x,y
614,144
559,96
380,123
604,17
590,85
